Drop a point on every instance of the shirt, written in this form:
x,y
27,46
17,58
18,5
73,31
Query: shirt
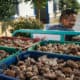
x,y
59,27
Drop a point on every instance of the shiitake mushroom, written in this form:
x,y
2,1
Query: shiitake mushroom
x,y
66,70
72,64
9,72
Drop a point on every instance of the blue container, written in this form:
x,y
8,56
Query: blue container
x,y
35,55
12,52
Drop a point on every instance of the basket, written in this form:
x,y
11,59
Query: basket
x,y
17,42
11,51
43,43
35,55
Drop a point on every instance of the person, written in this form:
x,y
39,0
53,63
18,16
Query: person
x,y
67,22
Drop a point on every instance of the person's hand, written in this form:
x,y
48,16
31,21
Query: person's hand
x,y
76,38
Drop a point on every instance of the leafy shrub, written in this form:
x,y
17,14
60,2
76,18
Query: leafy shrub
x,y
26,23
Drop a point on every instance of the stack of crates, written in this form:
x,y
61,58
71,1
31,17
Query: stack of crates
x,y
70,63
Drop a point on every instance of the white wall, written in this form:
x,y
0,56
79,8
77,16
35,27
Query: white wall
x,y
50,8
26,10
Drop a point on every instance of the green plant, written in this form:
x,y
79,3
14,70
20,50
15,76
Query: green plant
x,y
63,4
26,23
7,9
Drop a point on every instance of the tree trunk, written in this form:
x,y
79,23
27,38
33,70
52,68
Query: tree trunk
x,y
38,14
38,10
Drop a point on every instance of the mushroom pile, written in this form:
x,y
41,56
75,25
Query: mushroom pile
x,y
71,49
45,68
16,42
